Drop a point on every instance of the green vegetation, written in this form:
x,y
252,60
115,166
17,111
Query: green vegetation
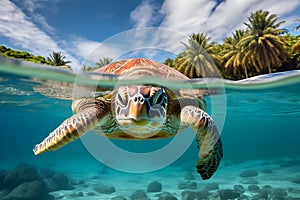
x,y
261,48
196,59
233,55
57,59
23,55
101,63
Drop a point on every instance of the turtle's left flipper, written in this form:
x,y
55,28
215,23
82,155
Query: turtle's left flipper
x,y
71,129
208,139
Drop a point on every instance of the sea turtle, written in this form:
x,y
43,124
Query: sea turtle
x,y
141,112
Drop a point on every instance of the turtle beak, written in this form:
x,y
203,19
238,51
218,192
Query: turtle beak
x,y
137,110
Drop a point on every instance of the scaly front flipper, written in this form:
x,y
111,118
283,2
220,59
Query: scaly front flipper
x,y
72,128
208,140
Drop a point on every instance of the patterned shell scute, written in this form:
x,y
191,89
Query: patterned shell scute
x,y
142,67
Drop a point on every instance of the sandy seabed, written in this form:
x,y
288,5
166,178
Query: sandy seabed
x,y
256,179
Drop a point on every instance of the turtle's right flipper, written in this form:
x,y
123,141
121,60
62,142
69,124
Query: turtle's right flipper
x,y
71,129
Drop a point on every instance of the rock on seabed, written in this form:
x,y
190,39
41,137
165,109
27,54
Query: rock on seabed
x,y
103,189
154,186
29,190
249,173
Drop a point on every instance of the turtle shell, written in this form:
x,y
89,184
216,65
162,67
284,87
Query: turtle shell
x,y
135,67
142,67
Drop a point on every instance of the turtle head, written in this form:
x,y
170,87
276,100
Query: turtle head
x,y
141,110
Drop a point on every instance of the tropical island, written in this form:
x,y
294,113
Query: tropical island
x,y
262,47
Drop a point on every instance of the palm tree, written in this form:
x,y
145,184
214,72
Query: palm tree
x,y
101,63
104,61
233,57
291,43
169,62
296,46
196,60
263,47
57,59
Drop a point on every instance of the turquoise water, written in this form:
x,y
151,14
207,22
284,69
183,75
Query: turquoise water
x,y
261,131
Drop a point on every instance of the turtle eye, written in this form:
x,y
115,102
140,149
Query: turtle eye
x,y
158,97
122,97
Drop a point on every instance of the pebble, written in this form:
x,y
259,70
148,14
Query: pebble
x,y
267,188
253,188
139,195
103,189
248,173
118,198
260,196
166,196
279,192
187,185
239,188
90,194
79,194
154,187
228,194
58,182
60,179
76,194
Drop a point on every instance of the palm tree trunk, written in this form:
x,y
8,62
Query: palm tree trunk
x,y
269,68
246,73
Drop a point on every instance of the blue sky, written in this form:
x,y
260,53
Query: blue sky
x,y
79,28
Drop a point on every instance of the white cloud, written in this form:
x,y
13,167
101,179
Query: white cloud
x,y
143,15
141,42
16,26
181,18
231,14
186,15
41,20
91,51
216,20
32,5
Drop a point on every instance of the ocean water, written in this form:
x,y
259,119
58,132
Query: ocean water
x,y
260,130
